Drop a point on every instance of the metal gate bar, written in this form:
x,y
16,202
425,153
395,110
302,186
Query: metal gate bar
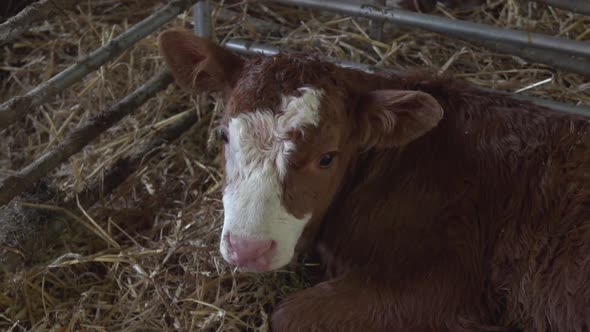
x,y
455,28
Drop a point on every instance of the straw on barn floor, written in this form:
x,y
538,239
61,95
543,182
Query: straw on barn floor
x,y
167,273
78,139
577,6
26,224
18,107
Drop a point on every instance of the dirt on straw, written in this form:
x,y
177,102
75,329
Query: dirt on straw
x,y
156,265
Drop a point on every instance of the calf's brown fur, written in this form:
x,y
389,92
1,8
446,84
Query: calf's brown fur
x,y
476,221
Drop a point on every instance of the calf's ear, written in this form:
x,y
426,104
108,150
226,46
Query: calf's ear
x,y
394,118
198,64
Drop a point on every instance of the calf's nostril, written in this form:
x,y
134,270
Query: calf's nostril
x,y
243,248
273,244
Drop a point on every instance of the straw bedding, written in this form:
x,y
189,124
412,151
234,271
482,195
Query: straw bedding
x,y
145,257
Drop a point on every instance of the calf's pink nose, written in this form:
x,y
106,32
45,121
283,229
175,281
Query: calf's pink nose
x,y
252,254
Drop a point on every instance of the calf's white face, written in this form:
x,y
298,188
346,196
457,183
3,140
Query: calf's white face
x,y
259,233
293,126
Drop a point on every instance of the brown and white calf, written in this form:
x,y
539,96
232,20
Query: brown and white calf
x,y
432,206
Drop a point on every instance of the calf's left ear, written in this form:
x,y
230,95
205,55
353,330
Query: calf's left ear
x,y
394,118
198,64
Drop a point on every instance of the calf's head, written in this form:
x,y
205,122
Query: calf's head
x,y
292,128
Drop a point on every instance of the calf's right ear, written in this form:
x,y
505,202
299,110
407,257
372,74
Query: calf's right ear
x,y
394,118
198,64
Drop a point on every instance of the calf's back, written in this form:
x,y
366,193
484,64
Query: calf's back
x,y
495,198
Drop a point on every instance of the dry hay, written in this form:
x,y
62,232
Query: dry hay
x,y
154,264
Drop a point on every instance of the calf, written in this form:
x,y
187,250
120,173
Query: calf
x,y
432,206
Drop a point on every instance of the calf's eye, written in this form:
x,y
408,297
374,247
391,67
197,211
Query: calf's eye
x,y
222,135
326,160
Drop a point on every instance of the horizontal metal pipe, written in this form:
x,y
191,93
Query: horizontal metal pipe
x,y
250,48
576,6
548,57
455,28
18,107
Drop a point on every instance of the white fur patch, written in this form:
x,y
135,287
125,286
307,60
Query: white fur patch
x,y
256,164
297,113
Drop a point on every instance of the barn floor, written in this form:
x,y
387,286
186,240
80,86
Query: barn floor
x,y
145,257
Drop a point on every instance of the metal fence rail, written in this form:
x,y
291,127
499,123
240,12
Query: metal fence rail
x,y
527,44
